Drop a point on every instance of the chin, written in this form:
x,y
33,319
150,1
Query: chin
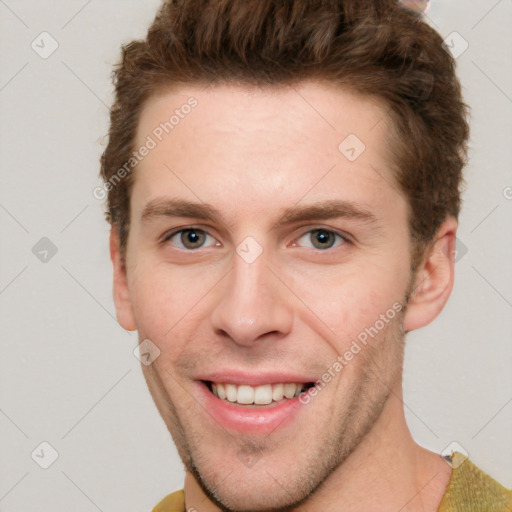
x,y
274,482
254,493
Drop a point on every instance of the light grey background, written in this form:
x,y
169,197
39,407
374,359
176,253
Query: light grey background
x,y
67,372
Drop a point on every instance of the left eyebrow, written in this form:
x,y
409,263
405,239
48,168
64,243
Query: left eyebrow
x,y
330,209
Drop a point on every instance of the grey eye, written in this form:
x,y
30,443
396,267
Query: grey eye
x,y
322,238
190,238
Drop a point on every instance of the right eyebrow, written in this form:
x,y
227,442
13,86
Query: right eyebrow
x,y
179,208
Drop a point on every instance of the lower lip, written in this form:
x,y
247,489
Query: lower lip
x,y
264,419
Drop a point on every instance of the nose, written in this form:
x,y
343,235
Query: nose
x,y
253,304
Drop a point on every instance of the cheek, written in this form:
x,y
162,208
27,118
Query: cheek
x,y
166,300
343,304
171,302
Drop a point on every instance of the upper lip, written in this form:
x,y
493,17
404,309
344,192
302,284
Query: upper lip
x,y
254,378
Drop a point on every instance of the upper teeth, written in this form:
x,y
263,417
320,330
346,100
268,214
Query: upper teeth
x,y
259,395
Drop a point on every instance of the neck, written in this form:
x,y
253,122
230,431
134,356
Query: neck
x,y
387,471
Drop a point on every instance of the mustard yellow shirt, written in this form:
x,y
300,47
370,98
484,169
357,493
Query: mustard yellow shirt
x,y
469,490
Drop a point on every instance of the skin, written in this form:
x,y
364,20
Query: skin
x,y
251,153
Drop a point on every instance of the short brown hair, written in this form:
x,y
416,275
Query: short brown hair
x,y
373,47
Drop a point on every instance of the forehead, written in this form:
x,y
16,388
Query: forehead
x,y
323,110
271,143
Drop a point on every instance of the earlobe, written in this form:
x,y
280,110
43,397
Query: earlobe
x,y
434,279
121,291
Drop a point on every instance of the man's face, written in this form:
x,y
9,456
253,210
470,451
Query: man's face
x,y
245,298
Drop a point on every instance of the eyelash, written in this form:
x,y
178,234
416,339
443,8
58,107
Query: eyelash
x,y
344,238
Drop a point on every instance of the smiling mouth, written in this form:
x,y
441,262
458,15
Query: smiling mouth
x,y
257,396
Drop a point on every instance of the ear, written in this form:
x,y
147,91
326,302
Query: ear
x,y
433,281
122,300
